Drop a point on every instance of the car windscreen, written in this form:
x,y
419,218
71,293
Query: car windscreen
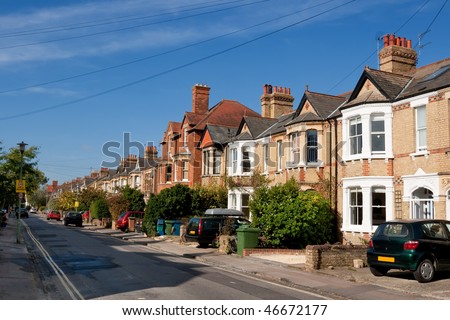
x,y
393,230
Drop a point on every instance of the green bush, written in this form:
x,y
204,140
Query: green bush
x,y
291,218
151,216
99,209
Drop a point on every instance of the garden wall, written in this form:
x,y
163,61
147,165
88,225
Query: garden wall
x,y
324,256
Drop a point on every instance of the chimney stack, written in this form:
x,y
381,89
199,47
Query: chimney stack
x,y
150,152
397,55
276,101
200,99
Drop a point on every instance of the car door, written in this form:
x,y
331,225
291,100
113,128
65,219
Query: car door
x,y
438,243
446,246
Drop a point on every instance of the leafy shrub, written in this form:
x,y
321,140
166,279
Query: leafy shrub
x,y
289,217
99,209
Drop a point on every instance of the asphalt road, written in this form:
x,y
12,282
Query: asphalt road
x,y
74,263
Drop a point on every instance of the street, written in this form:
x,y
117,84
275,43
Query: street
x,y
75,263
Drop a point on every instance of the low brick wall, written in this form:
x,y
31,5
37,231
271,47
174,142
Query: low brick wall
x,y
268,251
324,256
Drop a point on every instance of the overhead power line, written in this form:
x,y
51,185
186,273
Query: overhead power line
x,y
95,95
121,19
126,28
162,53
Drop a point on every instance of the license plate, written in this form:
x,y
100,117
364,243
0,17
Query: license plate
x,y
192,232
386,259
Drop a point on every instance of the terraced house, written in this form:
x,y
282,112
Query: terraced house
x,y
378,152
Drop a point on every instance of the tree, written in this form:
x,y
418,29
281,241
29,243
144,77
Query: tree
x,y
151,216
38,198
99,209
117,204
88,196
134,198
205,197
171,203
175,202
289,217
126,199
10,164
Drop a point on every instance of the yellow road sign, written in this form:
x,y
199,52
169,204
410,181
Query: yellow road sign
x,y
20,186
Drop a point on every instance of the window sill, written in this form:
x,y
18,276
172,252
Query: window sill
x,y
424,153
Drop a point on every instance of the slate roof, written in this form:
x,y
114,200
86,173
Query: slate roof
x,y
220,134
431,77
255,125
279,126
324,106
389,84
396,87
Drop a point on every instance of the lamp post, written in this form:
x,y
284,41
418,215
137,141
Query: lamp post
x,y
22,146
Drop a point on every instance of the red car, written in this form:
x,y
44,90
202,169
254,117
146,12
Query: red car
x,y
122,221
54,215
85,216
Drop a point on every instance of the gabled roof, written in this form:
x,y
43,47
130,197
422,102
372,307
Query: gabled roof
x,y
323,106
387,85
255,126
173,126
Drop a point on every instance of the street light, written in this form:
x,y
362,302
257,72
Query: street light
x,y
22,146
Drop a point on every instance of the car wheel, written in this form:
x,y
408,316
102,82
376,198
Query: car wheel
x,y
425,271
379,271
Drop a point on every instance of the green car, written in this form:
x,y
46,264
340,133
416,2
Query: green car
x,y
420,246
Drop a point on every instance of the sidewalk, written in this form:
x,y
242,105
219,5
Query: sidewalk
x,y
18,271
338,283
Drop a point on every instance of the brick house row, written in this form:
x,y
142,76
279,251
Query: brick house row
x,y
379,152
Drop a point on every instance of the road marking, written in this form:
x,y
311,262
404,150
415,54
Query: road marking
x,y
67,284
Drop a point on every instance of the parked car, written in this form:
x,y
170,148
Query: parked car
x,y
23,213
421,246
33,210
73,217
53,215
85,215
205,230
122,221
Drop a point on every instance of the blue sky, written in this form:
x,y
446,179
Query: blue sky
x,y
76,76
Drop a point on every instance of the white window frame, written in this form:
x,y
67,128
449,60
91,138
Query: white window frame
x,y
279,155
310,148
374,132
236,158
366,112
421,146
266,158
295,154
366,184
184,170
355,140
234,161
216,161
